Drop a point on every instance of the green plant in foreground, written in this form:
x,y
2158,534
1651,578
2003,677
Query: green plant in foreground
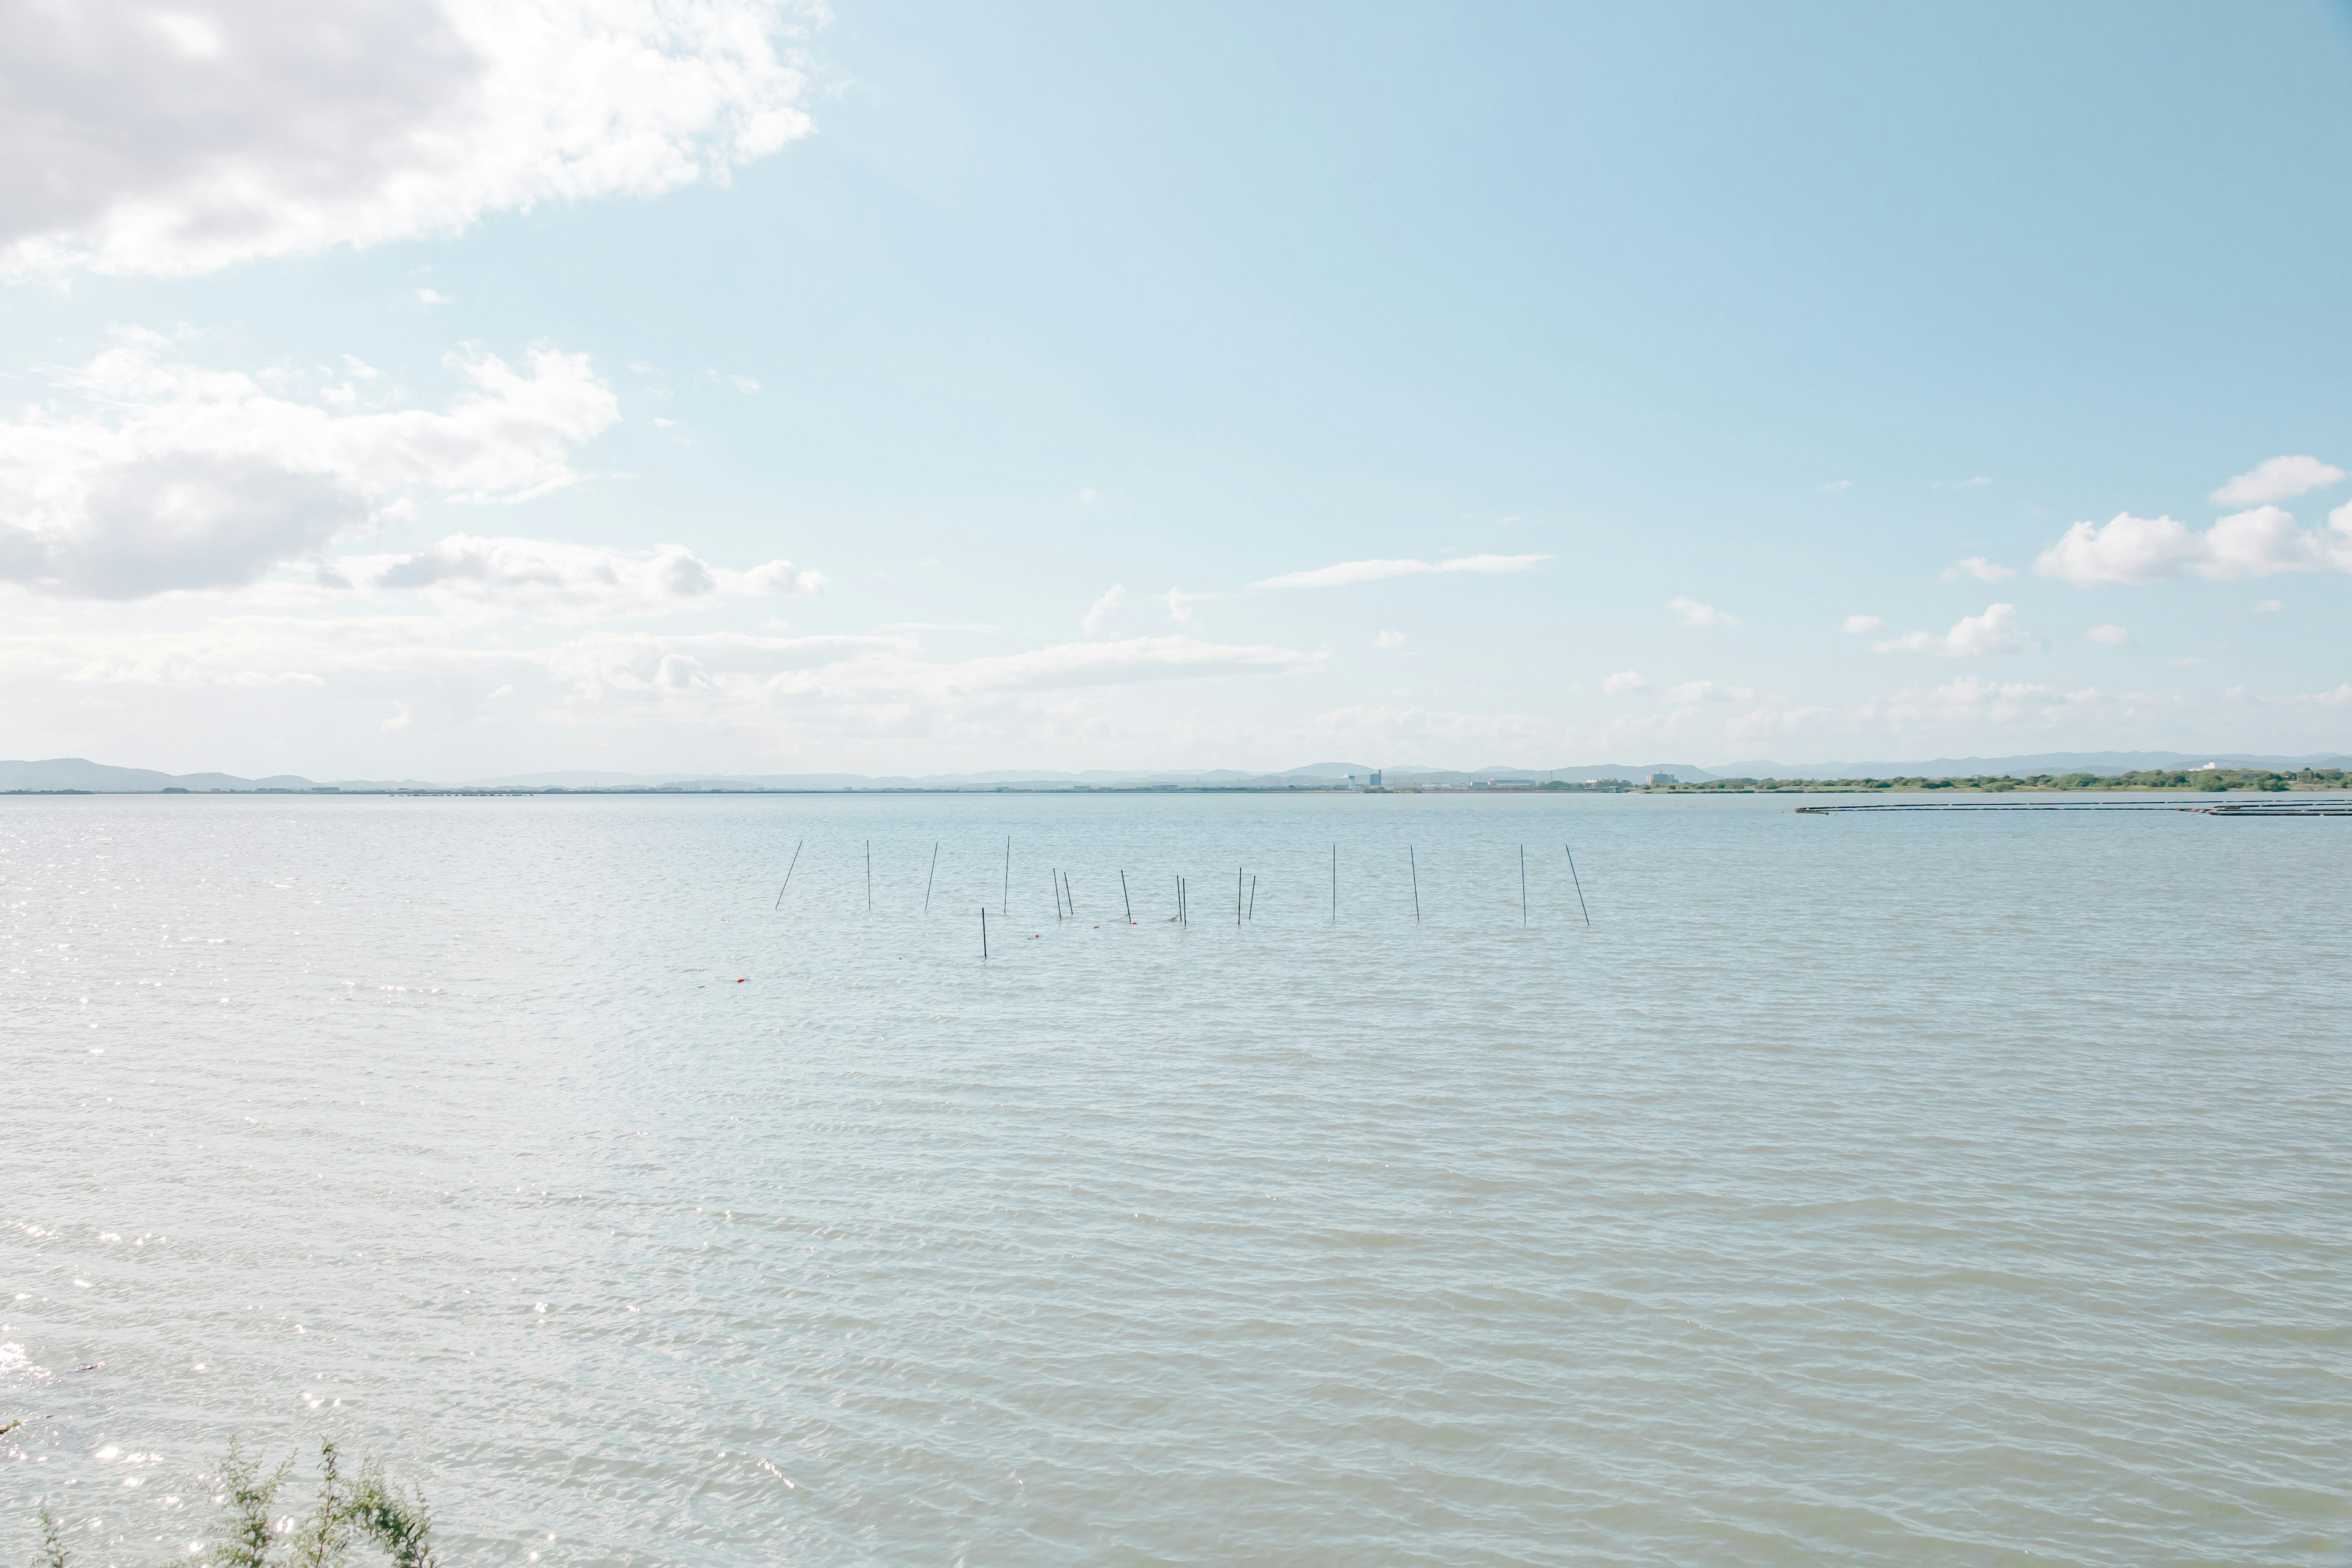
x,y
53,1544
393,1519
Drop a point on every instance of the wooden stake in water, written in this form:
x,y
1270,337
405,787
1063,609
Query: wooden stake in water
x,y
1335,884
1054,880
1067,897
1523,884
932,878
983,930
1579,885
1237,895
1126,902
1253,910
869,876
788,875
1005,907
1412,863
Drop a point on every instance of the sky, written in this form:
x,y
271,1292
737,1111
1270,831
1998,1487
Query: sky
x,y
462,388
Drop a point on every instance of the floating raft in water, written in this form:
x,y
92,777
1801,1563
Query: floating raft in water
x,y
2334,806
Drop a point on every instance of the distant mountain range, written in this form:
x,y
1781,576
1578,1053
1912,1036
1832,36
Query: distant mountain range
x,y
99,778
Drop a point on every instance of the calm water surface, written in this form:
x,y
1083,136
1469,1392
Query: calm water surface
x,y
1906,1189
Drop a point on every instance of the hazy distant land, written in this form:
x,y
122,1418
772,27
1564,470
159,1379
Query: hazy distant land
x,y
2085,770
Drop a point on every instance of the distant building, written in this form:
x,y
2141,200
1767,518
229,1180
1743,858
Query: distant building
x,y
1663,778
1376,779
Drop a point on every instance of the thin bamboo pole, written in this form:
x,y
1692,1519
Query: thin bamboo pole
x,y
788,875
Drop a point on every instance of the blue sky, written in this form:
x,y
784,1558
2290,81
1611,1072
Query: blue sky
x,y
932,387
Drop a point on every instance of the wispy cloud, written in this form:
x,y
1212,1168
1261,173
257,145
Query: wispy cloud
x,y
1977,567
1691,691
1691,612
1113,597
1862,625
2109,635
1390,640
1348,573
559,581
1995,631
1624,681
2278,479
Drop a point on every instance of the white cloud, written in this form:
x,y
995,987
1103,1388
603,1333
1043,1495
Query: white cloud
x,y
1836,487
431,297
1977,567
1995,631
743,383
1624,681
1862,625
1691,612
2110,636
2280,478
2254,544
1113,596
1180,605
168,476
139,139
2269,607
1691,691
1969,691
2191,663
1976,482
1348,572
1087,497
559,581
2340,697
1391,640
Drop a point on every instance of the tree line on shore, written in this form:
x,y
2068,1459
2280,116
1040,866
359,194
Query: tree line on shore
x,y
2209,779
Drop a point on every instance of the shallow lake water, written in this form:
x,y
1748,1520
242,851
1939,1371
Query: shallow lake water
x,y
1900,1188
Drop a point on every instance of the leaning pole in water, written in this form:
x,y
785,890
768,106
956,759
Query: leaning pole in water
x,y
1523,884
1123,898
1579,885
788,875
932,878
1412,863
